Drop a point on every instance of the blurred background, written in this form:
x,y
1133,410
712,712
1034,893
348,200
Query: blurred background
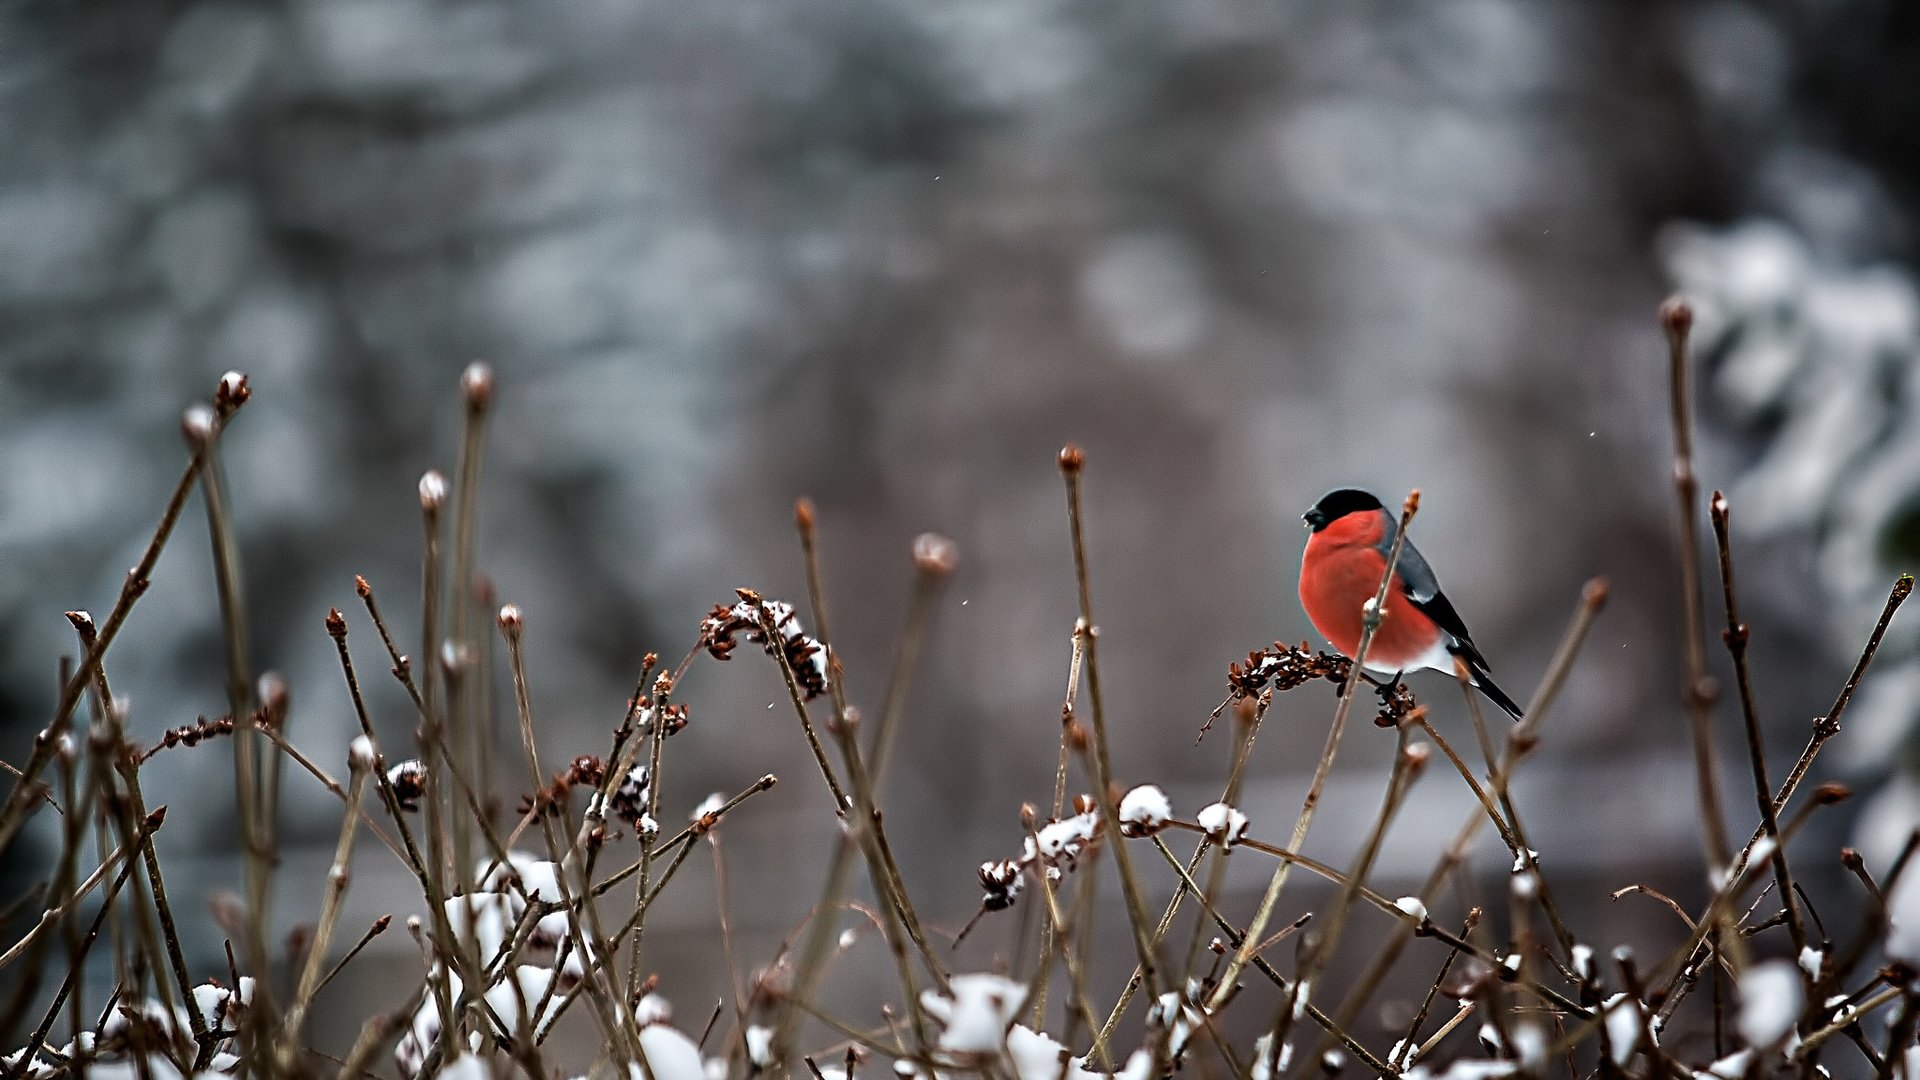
x,y
892,255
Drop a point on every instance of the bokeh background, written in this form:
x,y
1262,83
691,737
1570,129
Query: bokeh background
x,y
892,255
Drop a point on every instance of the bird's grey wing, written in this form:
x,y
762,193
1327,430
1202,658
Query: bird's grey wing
x,y
1423,589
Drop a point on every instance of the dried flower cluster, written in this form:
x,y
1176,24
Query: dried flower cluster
x,y
805,656
1289,667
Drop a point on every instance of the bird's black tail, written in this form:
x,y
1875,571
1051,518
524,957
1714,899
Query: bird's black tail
x,y
1495,694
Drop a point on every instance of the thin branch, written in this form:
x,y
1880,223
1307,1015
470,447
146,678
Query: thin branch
x,y
1676,317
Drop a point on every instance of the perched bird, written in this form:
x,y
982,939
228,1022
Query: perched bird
x,y
1340,574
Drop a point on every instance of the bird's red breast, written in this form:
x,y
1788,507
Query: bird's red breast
x,y
1340,573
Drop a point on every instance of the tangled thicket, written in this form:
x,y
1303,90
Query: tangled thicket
x,y
519,921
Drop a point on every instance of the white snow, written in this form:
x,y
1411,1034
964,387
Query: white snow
x,y
1223,823
670,1055
1623,1027
1810,961
1144,811
978,1014
1770,1001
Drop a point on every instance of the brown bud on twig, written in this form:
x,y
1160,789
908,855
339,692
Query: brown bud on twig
x,y
1832,792
361,586
1676,317
934,555
510,620
156,817
82,621
1411,505
476,382
232,393
336,624
1072,459
1850,858
803,514
1594,592
198,425
433,491
1028,816
1077,736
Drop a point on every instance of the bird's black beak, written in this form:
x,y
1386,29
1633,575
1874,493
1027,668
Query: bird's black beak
x,y
1315,519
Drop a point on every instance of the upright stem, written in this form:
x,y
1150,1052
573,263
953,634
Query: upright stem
x,y
468,735
252,782
1072,461
1700,692
1736,635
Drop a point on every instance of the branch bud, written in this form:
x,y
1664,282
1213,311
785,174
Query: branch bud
x,y
1676,317
433,491
198,425
232,393
476,382
934,555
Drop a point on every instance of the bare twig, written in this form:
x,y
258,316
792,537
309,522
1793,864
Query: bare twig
x,y
1676,316
1736,635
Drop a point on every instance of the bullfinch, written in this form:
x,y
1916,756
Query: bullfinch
x,y
1340,574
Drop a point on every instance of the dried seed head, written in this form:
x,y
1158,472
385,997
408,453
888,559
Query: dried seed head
x,y
803,514
510,620
433,491
198,425
336,624
476,382
1676,316
1072,459
232,393
409,782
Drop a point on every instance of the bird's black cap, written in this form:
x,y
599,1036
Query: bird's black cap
x,y
1337,504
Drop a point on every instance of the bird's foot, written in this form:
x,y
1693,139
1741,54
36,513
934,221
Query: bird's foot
x,y
1387,689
